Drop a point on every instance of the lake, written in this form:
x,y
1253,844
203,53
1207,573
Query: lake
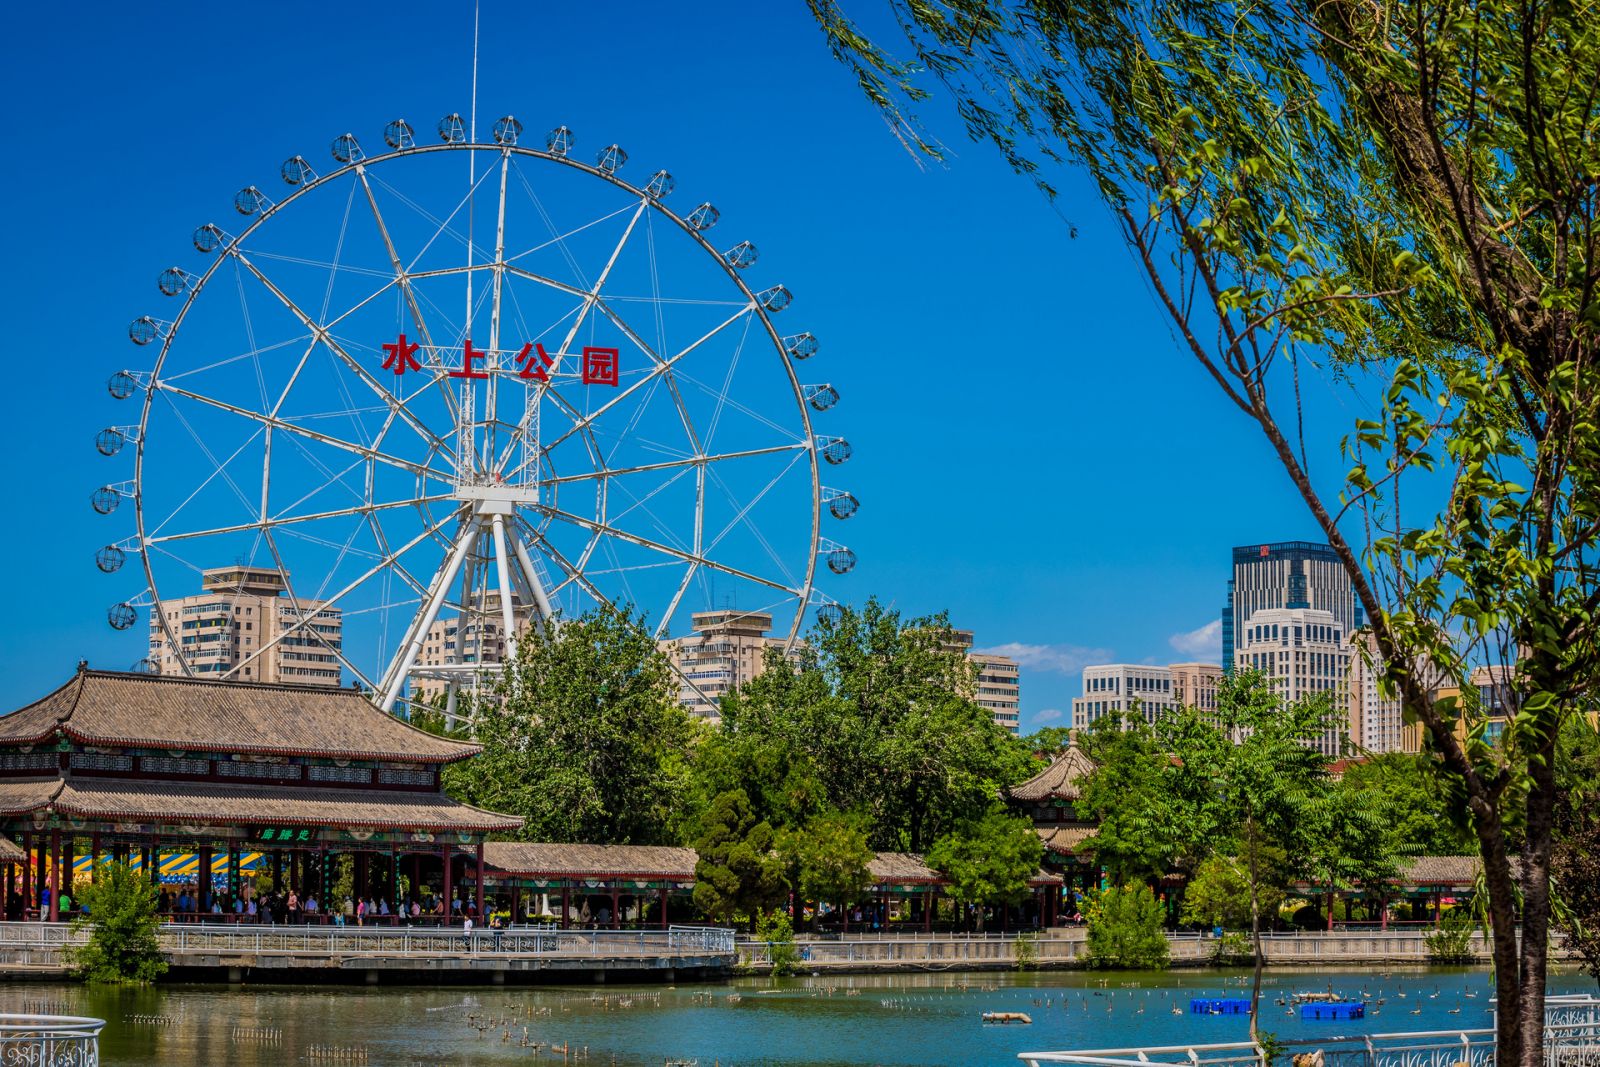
x,y
921,1020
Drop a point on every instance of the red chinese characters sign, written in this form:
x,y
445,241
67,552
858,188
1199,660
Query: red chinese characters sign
x,y
598,366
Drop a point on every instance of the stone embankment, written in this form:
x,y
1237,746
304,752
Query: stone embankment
x,y
1065,949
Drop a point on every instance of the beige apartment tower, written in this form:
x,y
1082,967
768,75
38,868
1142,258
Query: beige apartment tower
x,y
242,622
727,649
999,682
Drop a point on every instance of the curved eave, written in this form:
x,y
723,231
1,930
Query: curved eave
x,y
467,750
490,823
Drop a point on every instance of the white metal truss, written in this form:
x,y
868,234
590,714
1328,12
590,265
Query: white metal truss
x,y
444,514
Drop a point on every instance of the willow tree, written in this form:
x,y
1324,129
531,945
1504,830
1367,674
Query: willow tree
x,y
1400,194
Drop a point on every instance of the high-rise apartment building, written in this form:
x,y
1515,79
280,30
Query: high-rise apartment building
x,y
1289,574
243,623
1304,651
1109,687
727,649
999,683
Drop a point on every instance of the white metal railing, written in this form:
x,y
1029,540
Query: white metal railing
x,y
50,1040
349,941
1565,1045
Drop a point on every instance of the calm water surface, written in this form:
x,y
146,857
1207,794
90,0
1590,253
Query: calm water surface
x,y
842,1020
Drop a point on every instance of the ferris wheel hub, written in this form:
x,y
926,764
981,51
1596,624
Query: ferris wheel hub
x,y
497,498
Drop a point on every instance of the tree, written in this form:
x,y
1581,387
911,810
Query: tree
x,y
1575,860
1401,195
1125,928
1141,835
875,717
1219,894
1409,790
1250,774
827,859
738,872
120,917
989,861
586,741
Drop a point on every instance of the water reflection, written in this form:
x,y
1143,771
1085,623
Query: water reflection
x,y
927,1019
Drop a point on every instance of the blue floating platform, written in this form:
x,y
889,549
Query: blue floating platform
x,y
1219,1006
1334,1010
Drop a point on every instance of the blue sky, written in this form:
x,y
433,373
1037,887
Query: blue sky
x,y
1032,452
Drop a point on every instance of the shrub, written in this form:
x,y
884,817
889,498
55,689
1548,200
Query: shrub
x,y
122,948
1451,940
775,929
1125,929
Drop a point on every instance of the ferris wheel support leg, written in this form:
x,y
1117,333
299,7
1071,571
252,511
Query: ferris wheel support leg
x,y
450,705
541,599
508,619
419,626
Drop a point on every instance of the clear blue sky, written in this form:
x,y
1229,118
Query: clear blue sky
x,y
1032,452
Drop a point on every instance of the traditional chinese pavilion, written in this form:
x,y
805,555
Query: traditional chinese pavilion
x,y
136,764
1050,799
585,881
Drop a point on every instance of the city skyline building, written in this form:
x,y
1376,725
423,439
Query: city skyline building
x,y
1112,687
1194,685
1304,651
243,622
1286,574
727,649
999,683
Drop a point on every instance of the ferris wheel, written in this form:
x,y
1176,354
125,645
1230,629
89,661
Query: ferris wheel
x,y
463,388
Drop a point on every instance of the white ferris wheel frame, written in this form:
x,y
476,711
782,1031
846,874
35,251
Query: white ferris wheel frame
x,y
481,507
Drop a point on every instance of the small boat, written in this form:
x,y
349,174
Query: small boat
x,y
1007,1017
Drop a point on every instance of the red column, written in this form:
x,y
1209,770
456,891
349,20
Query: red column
x,y
566,905
478,887
41,877
663,909
930,900
55,875
449,886
94,857
616,906
27,871
204,904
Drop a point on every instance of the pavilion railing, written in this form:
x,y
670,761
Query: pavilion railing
x,y
50,1040
352,941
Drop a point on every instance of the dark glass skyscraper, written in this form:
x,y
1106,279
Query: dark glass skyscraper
x,y
1288,574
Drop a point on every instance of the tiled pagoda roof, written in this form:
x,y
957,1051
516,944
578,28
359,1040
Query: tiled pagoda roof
x,y
205,803
1062,780
542,859
115,709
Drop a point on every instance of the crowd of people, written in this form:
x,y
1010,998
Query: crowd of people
x,y
187,903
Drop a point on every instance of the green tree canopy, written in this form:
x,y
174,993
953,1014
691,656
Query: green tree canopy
x,y
828,859
1219,894
989,861
875,717
739,872
1142,833
585,739
1413,799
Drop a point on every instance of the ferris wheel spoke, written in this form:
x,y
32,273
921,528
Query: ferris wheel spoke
x,y
671,464
657,546
290,520
302,431
653,375
338,350
406,292
742,518
383,563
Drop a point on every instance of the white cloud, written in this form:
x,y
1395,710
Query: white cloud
x,y
1046,716
1067,659
1205,642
